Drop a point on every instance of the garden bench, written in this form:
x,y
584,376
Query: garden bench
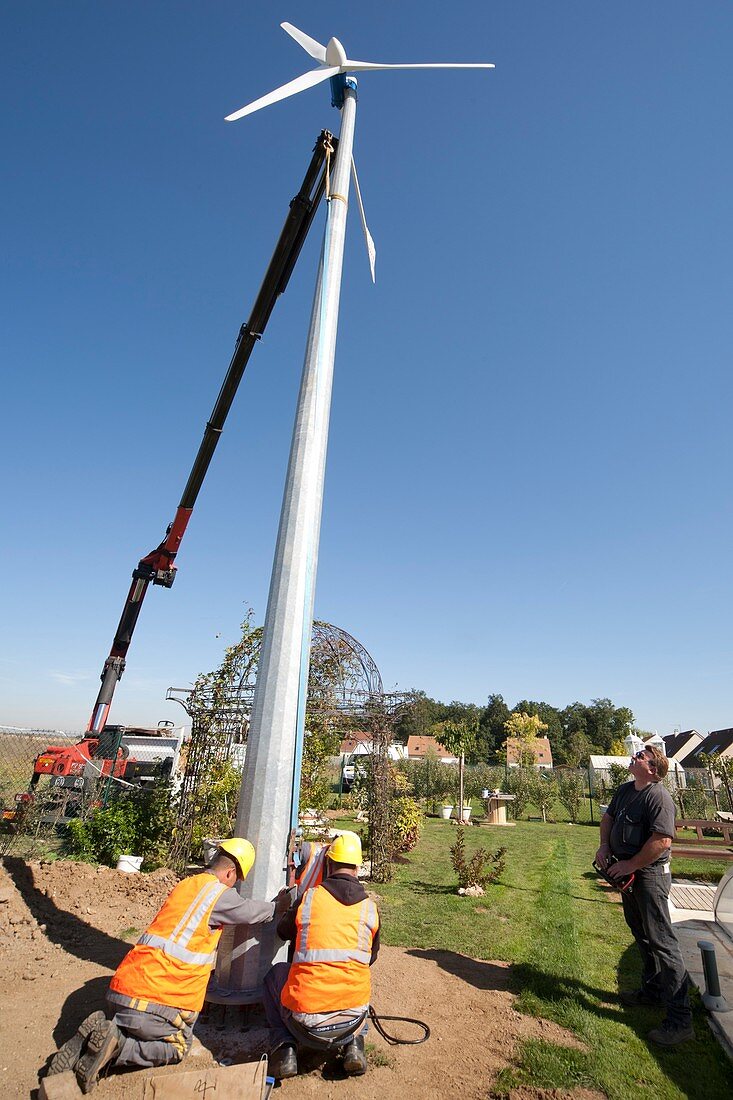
x,y
703,847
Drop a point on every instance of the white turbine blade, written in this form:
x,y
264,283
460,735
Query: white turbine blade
x,y
307,80
371,250
363,66
315,49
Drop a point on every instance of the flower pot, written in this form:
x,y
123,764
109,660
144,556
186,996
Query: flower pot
x,y
446,811
466,813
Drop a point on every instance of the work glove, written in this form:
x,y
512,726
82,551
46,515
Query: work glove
x,y
284,900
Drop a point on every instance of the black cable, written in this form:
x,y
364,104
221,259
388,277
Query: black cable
x,y
377,1021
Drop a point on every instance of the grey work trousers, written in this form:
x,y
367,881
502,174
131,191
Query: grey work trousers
x,y
663,972
156,1037
285,1028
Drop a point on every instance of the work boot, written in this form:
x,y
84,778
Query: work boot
x,y
67,1056
355,1061
634,998
671,1032
103,1047
283,1062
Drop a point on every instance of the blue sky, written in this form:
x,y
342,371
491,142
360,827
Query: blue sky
x,y
528,476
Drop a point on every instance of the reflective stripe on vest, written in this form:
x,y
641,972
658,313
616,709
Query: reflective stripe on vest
x,y
313,874
361,952
176,945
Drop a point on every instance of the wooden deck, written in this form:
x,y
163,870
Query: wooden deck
x,y
697,896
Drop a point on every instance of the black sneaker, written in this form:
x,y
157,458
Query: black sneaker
x,y
355,1060
634,997
103,1047
283,1062
670,1033
67,1056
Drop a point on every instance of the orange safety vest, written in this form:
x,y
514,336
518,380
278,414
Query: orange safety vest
x,y
333,949
172,960
312,874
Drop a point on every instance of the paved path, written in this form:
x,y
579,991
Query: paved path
x,y
691,909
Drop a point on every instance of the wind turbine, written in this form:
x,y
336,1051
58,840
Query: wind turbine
x,y
268,804
333,62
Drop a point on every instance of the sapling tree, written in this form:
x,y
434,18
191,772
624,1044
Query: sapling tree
x,y
544,793
571,791
481,869
458,737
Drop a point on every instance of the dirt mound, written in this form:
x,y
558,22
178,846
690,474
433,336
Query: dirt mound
x,y
65,926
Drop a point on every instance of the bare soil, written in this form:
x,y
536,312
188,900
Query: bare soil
x,y
65,926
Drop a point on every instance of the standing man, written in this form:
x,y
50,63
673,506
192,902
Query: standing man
x,y
637,832
320,1000
159,987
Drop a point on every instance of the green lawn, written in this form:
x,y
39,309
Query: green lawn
x,y
571,950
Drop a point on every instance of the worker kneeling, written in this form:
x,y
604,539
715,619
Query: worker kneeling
x,y
320,1001
159,987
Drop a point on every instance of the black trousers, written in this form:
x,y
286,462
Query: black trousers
x,y
663,973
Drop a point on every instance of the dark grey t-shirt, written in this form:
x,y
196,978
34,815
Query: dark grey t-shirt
x,y
638,814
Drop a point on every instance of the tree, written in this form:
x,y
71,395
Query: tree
x,y
544,792
457,739
524,729
418,716
548,714
519,782
492,719
578,749
607,723
723,768
571,791
575,735
601,724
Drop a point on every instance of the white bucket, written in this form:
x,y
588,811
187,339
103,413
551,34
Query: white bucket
x,y
130,864
446,811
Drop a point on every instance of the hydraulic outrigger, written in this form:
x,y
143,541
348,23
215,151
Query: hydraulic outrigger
x,y
158,566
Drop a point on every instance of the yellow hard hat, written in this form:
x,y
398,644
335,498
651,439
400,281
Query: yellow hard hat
x,y
241,851
346,848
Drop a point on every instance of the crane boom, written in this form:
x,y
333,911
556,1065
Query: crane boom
x,y
158,567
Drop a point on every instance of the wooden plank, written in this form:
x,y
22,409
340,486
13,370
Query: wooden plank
x,y
695,851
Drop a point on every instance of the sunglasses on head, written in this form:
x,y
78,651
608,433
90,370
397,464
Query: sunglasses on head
x,y
641,755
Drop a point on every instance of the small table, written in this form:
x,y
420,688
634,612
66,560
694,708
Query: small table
x,y
495,806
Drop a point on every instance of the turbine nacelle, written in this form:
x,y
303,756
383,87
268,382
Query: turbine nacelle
x,y
336,54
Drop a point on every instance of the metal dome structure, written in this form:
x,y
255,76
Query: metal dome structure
x,y
344,681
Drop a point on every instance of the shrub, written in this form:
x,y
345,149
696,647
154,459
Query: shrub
x,y
482,869
571,791
215,805
137,822
693,801
618,774
520,783
544,792
406,824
